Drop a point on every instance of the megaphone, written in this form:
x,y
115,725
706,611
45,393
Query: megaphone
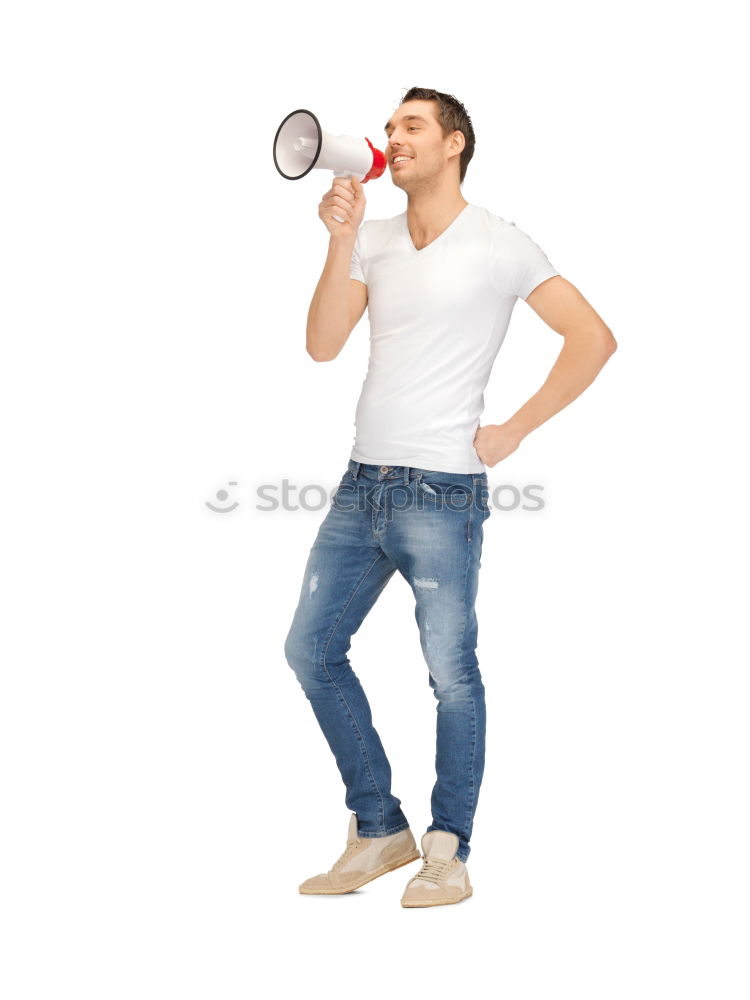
x,y
301,144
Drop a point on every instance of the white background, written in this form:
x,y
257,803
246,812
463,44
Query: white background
x,y
165,786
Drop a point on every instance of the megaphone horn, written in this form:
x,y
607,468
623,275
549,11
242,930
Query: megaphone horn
x,y
301,145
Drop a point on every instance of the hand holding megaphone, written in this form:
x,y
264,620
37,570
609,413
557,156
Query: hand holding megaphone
x,y
301,144
346,196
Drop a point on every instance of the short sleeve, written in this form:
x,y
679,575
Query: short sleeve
x,y
356,267
517,263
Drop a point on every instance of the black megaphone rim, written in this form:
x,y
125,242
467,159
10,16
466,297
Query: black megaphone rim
x,y
314,160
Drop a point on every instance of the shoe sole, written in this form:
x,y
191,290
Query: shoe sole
x,y
371,878
438,902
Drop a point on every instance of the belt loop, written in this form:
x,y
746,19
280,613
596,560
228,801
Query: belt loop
x,y
406,475
355,470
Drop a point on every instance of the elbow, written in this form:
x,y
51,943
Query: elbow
x,y
598,343
312,346
606,343
317,355
322,348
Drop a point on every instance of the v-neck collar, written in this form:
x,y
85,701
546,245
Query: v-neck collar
x,y
410,243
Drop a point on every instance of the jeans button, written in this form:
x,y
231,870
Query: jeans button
x,y
383,468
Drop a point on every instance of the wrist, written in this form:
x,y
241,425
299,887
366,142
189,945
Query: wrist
x,y
344,239
517,428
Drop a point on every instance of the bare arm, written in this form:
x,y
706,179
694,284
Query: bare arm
x,y
337,305
339,301
589,343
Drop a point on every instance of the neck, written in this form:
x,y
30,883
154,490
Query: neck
x,y
430,211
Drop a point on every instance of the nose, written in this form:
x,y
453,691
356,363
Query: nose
x,y
394,145
394,141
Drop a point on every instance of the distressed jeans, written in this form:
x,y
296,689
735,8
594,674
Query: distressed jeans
x,y
428,525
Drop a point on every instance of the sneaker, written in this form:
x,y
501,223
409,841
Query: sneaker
x,y
365,859
443,878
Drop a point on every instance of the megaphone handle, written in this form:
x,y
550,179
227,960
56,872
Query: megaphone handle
x,y
342,173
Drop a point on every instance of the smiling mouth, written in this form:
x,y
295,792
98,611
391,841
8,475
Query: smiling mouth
x,y
396,163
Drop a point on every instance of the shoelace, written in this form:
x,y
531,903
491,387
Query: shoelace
x,y
434,869
351,846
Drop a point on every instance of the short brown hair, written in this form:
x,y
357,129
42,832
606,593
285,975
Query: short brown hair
x,y
452,116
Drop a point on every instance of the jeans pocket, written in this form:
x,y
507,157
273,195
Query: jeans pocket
x,y
444,495
483,502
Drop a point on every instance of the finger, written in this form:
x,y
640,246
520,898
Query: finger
x,y
339,215
344,192
335,202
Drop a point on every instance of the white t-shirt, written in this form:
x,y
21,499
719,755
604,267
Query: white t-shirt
x,y
437,319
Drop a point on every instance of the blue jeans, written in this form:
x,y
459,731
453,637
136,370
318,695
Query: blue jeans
x,y
429,526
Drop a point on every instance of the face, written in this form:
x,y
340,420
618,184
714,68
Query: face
x,y
414,132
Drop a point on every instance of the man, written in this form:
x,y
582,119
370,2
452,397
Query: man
x,y
440,282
